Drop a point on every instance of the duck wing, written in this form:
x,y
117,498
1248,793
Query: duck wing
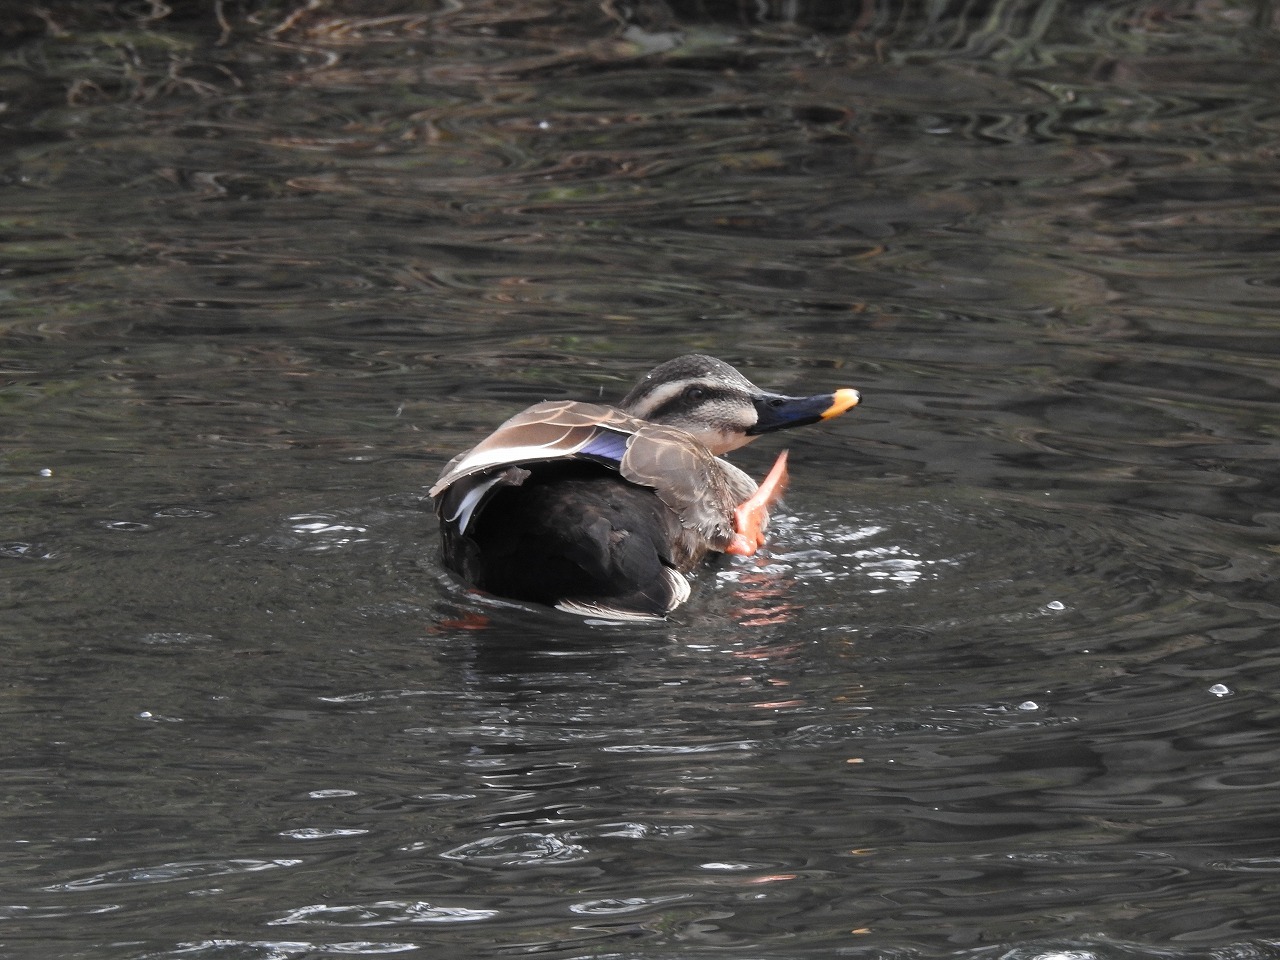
x,y
701,489
544,432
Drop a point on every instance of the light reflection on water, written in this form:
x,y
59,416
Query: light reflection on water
x,y
1002,685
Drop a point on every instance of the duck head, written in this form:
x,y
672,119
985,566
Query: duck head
x,y
720,407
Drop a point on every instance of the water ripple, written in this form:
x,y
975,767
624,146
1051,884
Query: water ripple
x,y
170,872
232,949
517,850
382,913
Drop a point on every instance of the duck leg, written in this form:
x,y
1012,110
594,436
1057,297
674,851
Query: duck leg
x,y
752,515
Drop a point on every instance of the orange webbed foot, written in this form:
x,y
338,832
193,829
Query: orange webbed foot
x,y
750,516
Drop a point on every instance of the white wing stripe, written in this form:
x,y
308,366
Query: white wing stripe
x,y
506,456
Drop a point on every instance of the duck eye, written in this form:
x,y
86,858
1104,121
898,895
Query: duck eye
x,y
695,394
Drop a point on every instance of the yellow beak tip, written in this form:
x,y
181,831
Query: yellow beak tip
x,y
842,400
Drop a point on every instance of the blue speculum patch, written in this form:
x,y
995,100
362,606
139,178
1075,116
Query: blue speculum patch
x,y
606,446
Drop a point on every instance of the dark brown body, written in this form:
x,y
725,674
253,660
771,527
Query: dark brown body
x,y
576,532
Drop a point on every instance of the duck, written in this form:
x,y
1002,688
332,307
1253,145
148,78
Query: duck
x,y
604,511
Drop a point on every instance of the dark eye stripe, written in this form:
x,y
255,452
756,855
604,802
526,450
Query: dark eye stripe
x,y
682,403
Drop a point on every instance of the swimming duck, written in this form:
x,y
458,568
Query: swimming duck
x,y
602,510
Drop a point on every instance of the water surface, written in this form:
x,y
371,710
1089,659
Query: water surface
x,y
1003,684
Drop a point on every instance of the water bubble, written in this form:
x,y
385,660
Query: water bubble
x,y
157,717
1221,690
1028,705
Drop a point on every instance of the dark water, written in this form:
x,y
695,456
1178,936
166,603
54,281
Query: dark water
x,y
1004,684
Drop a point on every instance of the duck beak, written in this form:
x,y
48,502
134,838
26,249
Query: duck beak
x,y
776,412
